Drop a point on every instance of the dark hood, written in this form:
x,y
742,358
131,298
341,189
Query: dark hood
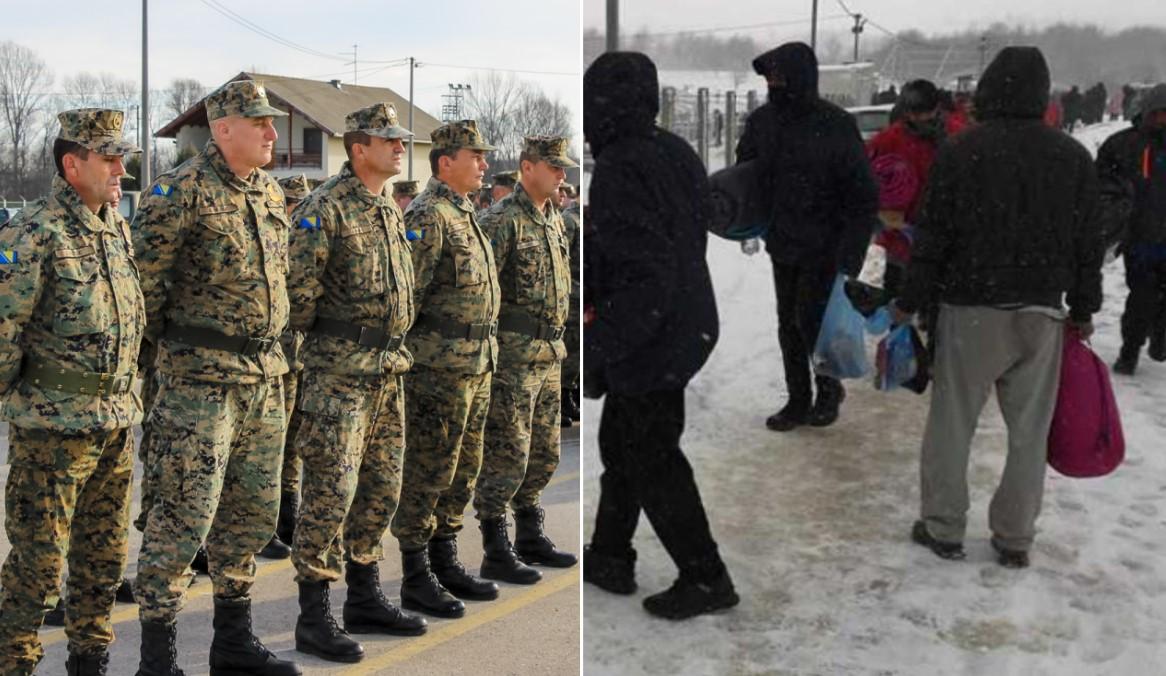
x,y
1149,101
621,97
1015,84
797,63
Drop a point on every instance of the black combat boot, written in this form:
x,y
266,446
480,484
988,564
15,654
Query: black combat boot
x,y
1127,360
570,406
367,611
1157,349
56,616
615,573
159,650
316,630
125,591
201,564
421,591
533,545
690,596
830,396
793,415
499,561
87,665
453,576
289,509
236,651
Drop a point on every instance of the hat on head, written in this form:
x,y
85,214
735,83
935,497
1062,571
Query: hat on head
x,y
295,187
246,98
506,179
379,119
569,190
408,188
98,129
460,134
550,149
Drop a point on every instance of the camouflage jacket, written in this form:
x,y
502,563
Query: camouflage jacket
x,y
350,261
571,229
70,301
530,251
455,280
212,249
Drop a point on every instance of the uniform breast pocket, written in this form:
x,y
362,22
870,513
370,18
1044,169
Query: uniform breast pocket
x,y
223,238
362,257
469,264
84,297
530,269
279,234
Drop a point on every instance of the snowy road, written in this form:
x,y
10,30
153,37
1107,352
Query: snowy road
x,y
814,527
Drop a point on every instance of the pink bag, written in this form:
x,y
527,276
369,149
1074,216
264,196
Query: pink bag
x,y
1085,439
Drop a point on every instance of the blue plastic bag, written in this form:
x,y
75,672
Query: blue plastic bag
x,y
896,362
840,351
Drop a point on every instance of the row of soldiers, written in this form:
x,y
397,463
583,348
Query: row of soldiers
x,y
231,297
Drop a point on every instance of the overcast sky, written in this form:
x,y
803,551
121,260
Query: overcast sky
x,y
896,15
190,39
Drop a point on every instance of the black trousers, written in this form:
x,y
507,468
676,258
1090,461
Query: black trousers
x,y
802,295
1145,310
644,468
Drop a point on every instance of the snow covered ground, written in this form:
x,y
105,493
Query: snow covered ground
x,y
814,526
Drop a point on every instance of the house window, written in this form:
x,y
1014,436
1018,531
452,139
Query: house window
x,y
313,141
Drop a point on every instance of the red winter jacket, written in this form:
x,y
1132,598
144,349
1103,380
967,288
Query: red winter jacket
x,y
918,152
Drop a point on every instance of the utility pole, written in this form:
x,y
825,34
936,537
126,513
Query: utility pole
x,y
814,28
144,180
412,66
859,22
353,64
612,25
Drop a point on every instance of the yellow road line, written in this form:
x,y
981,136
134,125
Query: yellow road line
x,y
573,476
493,611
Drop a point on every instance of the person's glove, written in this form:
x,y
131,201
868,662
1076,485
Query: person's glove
x,y
1083,329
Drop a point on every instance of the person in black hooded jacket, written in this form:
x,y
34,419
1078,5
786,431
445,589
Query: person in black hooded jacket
x,y
652,322
1008,229
824,211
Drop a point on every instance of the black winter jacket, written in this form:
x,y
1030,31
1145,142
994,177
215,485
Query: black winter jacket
x,y
1131,171
1009,217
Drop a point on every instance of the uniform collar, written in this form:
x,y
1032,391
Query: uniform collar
x,y
441,189
522,197
67,196
219,164
356,187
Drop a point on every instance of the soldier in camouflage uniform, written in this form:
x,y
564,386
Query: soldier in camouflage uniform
x,y
71,322
212,238
522,430
295,189
504,182
447,394
351,290
404,192
570,388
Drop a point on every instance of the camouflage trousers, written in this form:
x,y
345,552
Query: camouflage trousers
x,y
571,338
149,394
446,417
67,498
216,457
352,441
290,476
522,438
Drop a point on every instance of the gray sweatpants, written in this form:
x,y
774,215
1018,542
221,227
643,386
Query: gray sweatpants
x,y
1018,352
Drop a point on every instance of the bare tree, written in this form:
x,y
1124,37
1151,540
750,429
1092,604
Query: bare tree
x,y
536,114
507,109
24,82
182,94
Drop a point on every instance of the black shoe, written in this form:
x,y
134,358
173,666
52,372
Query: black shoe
x,y
532,544
1010,558
235,650
952,551
289,509
792,415
367,611
615,573
87,665
1127,361
56,616
499,561
570,403
275,549
453,576
688,598
159,650
316,630
1157,350
125,591
421,591
201,564
831,393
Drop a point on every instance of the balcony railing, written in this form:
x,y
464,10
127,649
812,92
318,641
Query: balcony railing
x,y
286,160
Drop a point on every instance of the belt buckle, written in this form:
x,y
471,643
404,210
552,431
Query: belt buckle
x,y
102,379
557,332
255,346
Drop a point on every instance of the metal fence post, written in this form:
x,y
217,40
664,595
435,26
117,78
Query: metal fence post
x,y
730,130
702,124
667,107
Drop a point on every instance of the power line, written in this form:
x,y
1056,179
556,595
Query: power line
x,y
254,28
719,29
501,70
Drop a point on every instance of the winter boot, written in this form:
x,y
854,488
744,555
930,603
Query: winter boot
x,y
316,630
235,650
500,562
532,544
1157,350
367,611
125,591
201,564
570,406
275,549
830,396
453,576
793,414
1127,361
1010,558
421,591
289,509
952,551
688,597
159,650
87,665
615,573
56,616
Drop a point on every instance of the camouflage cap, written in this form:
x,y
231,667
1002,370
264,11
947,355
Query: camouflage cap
x,y
550,149
569,190
460,134
98,129
247,98
379,119
295,187
506,179
409,188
